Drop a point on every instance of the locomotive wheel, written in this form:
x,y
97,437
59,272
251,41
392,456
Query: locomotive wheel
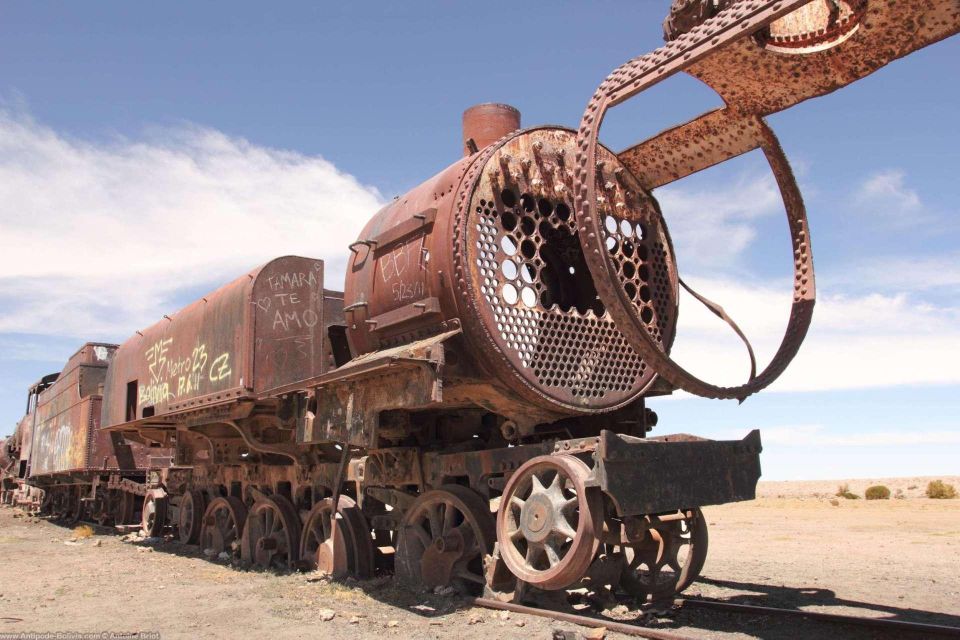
x,y
47,503
121,506
338,546
77,504
548,521
153,516
443,539
192,506
223,523
128,504
667,560
271,536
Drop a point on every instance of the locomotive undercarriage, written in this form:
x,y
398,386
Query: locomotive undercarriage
x,y
589,510
106,499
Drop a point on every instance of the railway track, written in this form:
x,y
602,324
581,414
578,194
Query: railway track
x,y
893,626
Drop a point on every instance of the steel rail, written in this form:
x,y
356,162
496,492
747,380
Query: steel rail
x,y
584,621
886,623
656,634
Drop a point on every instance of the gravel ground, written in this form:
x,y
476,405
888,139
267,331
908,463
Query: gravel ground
x,y
897,559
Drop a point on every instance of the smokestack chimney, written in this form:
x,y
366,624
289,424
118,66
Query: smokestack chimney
x,y
484,124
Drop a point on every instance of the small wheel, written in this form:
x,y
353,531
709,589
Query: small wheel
x,y
443,539
223,523
667,560
548,521
121,506
271,537
153,516
340,545
190,516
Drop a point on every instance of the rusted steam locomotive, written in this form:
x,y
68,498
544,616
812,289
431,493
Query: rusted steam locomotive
x,y
471,409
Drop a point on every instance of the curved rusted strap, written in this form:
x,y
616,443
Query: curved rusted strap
x,y
718,311
739,20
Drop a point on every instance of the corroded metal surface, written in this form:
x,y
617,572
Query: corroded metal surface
x,y
259,332
65,434
501,327
714,49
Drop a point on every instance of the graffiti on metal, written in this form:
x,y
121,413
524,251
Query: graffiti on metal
x,y
176,373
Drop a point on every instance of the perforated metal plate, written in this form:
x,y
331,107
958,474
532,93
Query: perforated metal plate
x,y
535,293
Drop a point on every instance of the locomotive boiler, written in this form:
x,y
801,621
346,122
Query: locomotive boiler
x,y
471,410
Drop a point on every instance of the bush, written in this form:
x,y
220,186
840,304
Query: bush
x,y
898,495
877,492
843,491
941,490
83,531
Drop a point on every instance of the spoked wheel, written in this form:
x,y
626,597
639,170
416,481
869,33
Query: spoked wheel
x,y
153,515
443,538
192,505
223,523
121,506
667,560
271,537
59,503
548,521
340,545
77,505
48,503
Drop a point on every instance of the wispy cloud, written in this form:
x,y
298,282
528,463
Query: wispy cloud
x,y
855,341
902,273
886,195
712,227
99,237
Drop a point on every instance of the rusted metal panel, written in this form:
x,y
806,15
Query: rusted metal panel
x,y
289,323
200,350
655,475
64,435
349,400
253,334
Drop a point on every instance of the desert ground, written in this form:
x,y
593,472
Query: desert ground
x,y
796,546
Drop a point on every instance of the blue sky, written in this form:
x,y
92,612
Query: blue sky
x,y
149,153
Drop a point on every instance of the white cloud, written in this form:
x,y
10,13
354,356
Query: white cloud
x,y
713,227
906,273
862,341
816,435
886,194
98,237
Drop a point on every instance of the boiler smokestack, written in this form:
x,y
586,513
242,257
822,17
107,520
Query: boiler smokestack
x,y
484,124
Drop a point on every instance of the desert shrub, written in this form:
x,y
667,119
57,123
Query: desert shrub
x,y
898,494
877,492
941,490
911,487
83,531
843,491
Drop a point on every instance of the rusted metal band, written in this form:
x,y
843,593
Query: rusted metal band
x,y
739,20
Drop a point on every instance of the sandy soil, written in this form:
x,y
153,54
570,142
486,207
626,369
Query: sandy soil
x,y
895,558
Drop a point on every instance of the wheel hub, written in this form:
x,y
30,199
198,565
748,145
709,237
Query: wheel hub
x,y
537,518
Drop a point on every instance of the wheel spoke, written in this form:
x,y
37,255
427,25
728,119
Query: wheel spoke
x,y
422,535
433,515
534,551
537,484
449,516
562,528
552,556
